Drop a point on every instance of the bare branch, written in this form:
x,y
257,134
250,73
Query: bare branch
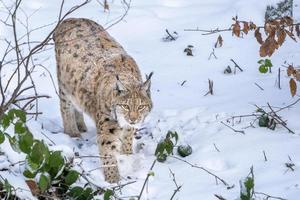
x,y
127,7
202,168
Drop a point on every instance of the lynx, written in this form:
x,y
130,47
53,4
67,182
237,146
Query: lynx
x,y
97,76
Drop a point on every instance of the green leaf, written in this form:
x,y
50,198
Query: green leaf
x,y
71,177
5,122
161,157
39,152
249,184
7,187
160,148
56,160
21,115
261,61
14,143
263,121
87,194
19,127
32,166
268,63
36,154
108,193
17,113
44,182
169,146
25,142
170,135
263,69
56,164
28,174
75,192
2,137
184,150
151,173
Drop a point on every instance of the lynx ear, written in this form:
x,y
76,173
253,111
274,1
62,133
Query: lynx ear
x,y
147,84
119,85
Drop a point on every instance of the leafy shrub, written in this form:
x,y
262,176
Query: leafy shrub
x,y
47,171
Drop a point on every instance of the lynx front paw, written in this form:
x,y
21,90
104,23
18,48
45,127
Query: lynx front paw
x,y
72,132
127,149
82,127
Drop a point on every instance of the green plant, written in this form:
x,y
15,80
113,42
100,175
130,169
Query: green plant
x,y
265,65
247,187
265,120
7,191
46,171
165,147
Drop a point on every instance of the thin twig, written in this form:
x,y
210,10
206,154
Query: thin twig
x,y
127,7
236,65
146,180
171,36
279,120
237,131
218,150
279,81
269,196
177,186
202,168
265,157
259,86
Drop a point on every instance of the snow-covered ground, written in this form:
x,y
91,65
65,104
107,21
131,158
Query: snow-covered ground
x,y
185,109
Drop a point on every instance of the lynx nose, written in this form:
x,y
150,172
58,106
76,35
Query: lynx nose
x,y
133,121
133,118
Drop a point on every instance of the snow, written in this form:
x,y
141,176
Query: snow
x,y
185,109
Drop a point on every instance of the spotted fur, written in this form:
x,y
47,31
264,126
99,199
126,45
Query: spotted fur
x,y
97,76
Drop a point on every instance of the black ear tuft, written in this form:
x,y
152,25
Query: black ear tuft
x,y
147,83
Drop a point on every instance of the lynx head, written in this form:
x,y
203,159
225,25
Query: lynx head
x,y
133,104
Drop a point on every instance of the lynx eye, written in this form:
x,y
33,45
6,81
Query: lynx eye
x,y
141,107
125,107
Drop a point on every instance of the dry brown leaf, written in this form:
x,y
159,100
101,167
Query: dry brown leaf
x,y
281,36
268,47
297,75
236,30
293,87
288,20
246,27
252,26
297,28
275,23
258,37
263,51
268,28
33,187
291,35
290,70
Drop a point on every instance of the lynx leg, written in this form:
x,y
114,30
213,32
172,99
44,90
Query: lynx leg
x,y
109,143
68,116
80,121
127,140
